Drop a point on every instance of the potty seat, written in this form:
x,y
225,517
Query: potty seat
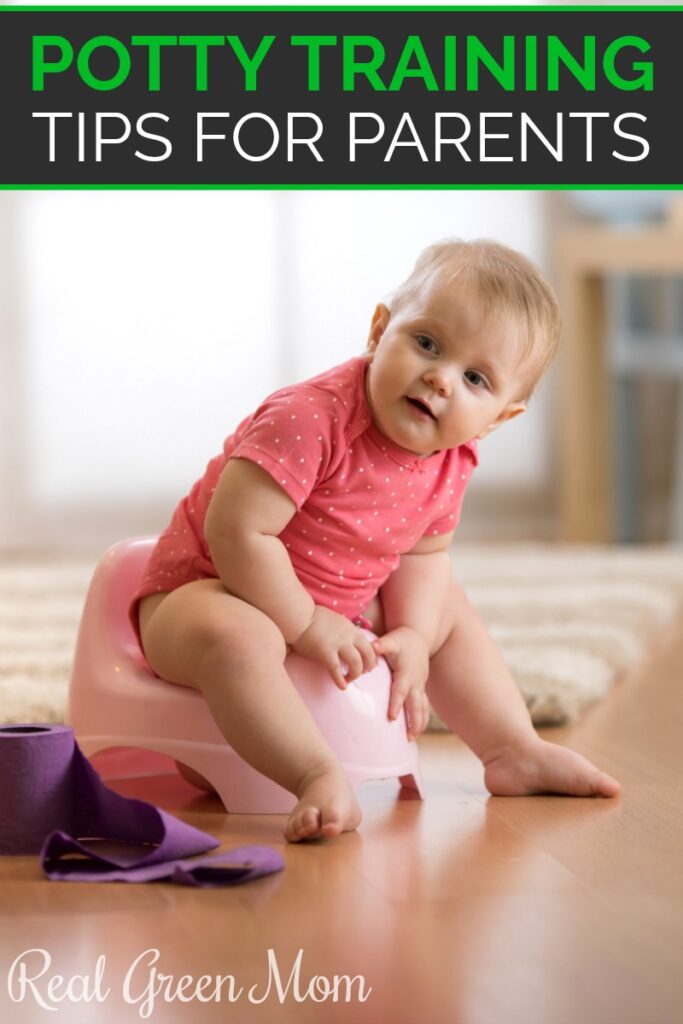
x,y
115,700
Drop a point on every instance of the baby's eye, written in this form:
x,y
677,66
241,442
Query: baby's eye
x,y
474,378
425,343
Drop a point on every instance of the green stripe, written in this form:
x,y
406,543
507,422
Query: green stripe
x,y
317,10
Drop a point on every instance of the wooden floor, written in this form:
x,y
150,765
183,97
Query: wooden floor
x,y
464,908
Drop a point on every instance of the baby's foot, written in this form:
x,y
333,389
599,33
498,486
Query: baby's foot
x,y
541,767
327,806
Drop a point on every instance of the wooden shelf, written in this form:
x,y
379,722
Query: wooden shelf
x,y
585,257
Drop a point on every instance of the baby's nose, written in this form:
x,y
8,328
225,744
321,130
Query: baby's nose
x,y
439,380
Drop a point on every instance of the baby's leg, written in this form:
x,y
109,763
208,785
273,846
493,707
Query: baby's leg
x,y
201,636
473,692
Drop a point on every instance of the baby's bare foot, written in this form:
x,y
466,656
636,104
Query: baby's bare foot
x,y
327,806
541,767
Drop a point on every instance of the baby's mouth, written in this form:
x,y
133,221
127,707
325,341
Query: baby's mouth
x,y
422,406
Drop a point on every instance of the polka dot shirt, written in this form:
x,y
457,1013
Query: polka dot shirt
x,y
361,500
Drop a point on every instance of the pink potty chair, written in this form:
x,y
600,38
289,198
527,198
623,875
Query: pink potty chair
x,y
115,700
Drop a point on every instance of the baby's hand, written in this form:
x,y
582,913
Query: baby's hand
x,y
331,638
408,657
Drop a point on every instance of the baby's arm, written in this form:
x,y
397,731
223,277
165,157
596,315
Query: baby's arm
x,y
415,593
247,513
490,709
413,599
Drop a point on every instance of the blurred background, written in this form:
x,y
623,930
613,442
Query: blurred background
x,y
138,328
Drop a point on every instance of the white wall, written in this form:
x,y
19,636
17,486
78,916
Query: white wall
x,y
145,325
143,314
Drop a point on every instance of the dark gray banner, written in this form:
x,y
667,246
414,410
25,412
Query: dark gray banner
x,y
323,97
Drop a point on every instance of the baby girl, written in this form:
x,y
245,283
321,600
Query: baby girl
x,y
330,511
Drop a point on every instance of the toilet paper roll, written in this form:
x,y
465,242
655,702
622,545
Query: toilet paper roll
x,y
37,785
53,802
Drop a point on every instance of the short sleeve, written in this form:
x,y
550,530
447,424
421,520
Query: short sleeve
x,y
464,464
292,436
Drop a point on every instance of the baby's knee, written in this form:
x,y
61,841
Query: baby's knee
x,y
239,640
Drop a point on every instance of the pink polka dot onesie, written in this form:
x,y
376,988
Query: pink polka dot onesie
x,y
361,500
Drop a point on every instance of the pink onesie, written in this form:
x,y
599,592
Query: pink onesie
x,y
361,500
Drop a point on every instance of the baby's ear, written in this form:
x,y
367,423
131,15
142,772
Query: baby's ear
x,y
508,413
378,325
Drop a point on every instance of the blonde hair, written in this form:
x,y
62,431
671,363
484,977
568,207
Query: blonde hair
x,y
510,286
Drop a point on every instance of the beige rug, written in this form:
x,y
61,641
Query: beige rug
x,y
568,620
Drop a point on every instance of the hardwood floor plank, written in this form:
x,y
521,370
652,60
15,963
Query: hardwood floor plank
x,y
462,909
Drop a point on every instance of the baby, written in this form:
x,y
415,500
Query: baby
x,y
331,510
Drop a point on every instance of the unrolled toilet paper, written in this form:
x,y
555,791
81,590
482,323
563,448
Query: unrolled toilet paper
x,y
53,802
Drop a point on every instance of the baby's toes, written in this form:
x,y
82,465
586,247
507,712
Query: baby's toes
x,y
587,780
605,785
302,824
331,822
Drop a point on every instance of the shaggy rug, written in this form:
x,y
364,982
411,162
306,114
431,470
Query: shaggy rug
x,y
569,620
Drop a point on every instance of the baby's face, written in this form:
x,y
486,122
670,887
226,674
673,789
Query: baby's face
x,y
439,349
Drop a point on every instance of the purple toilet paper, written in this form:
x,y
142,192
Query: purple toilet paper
x,y
53,802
